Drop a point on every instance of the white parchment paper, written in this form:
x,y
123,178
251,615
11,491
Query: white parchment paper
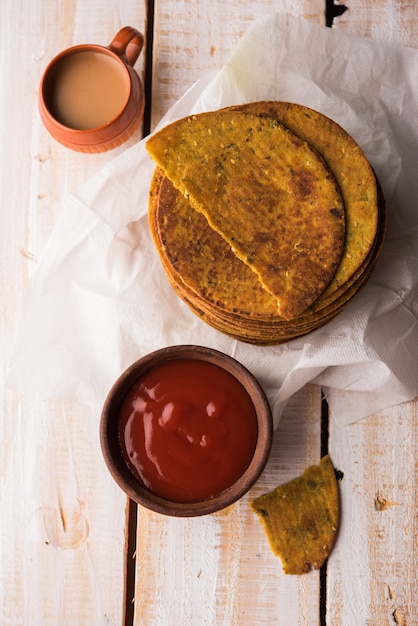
x,y
99,299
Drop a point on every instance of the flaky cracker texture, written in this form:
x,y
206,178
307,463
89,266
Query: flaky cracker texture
x,y
300,518
267,217
266,192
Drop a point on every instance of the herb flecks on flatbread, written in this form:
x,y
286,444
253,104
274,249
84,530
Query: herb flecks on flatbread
x,y
267,192
219,287
301,518
201,259
352,172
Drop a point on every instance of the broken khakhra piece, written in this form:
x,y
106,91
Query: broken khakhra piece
x,y
300,518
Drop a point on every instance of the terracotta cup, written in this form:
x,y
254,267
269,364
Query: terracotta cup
x,y
90,97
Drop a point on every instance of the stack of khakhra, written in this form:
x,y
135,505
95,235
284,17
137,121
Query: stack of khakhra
x,y
267,217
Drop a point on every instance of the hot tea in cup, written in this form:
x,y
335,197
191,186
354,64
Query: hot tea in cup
x,y
90,97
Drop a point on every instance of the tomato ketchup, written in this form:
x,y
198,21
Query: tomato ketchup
x,y
187,430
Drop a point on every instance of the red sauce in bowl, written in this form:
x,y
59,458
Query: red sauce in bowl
x,y
187,430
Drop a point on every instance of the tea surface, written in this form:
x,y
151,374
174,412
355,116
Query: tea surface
x,y
89,89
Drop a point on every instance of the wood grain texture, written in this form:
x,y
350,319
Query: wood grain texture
x,y
193,37
382,20
372,575
62,520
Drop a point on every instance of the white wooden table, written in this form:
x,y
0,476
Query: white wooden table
x,y
73,550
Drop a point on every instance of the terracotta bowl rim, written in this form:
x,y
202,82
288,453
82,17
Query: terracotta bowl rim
x,y
113,456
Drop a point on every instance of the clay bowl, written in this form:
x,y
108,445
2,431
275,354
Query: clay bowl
x,y
118,462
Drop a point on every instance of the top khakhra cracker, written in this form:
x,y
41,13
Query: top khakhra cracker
x,y
266,191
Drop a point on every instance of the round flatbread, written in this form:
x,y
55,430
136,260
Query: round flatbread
x,y
352,172
266,192
225,292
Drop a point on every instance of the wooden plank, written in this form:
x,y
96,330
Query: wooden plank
x,y
193,38
384,20
372,575
218,569
62,519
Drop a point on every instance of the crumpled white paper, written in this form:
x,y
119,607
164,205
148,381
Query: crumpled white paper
x,y
99,299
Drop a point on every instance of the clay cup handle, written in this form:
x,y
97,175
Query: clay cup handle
x,y
127,44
